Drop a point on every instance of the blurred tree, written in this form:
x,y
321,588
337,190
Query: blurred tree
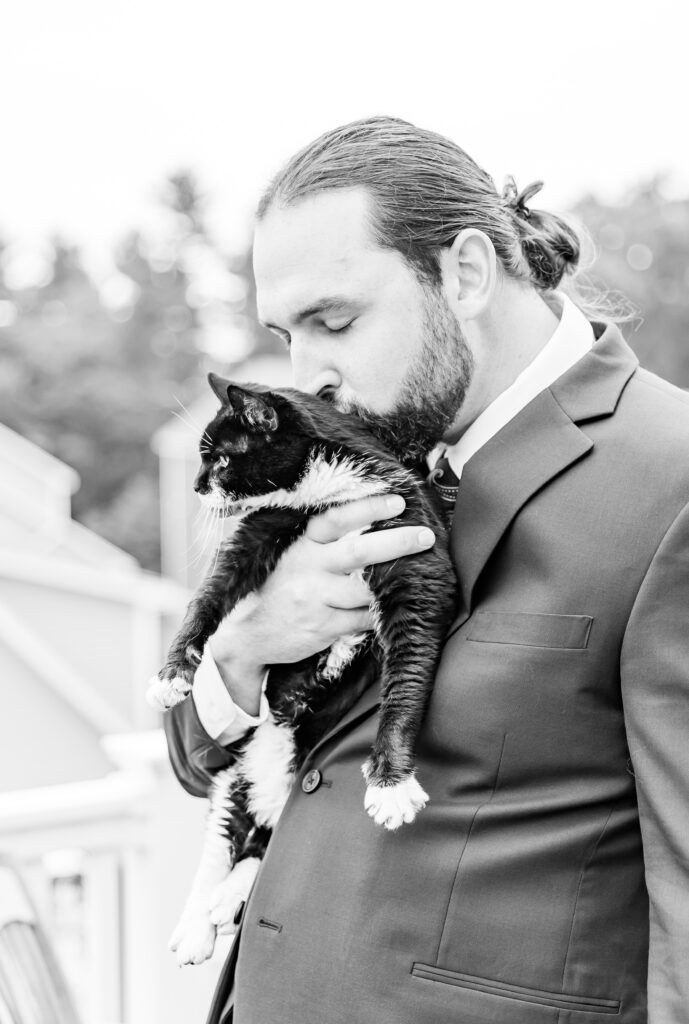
x,y
643,252
89,373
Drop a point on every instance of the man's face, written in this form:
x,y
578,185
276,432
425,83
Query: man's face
x,y
361,328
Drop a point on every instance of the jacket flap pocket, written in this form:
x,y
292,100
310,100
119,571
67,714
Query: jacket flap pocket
x,y
535,996
531,629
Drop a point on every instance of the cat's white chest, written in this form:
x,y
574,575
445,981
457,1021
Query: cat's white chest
x,y
334,480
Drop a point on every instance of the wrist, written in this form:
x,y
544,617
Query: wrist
x,y
242,676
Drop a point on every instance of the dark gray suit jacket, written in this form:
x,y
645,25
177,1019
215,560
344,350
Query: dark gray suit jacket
x,y
555,753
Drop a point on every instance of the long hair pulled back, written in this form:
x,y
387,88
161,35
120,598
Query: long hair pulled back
x,y
426,190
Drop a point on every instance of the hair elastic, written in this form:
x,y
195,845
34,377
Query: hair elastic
x,y
517,200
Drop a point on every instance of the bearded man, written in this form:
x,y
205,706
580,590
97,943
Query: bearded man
x,y
547,880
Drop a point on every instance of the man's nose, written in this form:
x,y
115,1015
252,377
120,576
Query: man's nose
x,y
310,376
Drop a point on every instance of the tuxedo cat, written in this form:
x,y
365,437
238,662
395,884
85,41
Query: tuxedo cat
x,y
274,458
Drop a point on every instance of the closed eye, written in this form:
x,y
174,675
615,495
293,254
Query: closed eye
x,y
339,330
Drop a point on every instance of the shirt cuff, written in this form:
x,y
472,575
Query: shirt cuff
x,y
223,720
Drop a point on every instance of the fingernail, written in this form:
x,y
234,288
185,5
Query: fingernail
x,y
426,538
396,503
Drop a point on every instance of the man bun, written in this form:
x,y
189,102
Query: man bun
x,y
550,246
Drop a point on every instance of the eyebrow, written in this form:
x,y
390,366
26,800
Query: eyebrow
x,y
328,304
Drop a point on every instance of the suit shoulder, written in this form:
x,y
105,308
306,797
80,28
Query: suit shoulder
x,y
651,382
656,405
650,429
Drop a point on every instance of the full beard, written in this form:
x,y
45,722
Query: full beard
x,y
432,391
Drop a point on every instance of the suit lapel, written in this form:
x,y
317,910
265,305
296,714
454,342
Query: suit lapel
x,y
540,442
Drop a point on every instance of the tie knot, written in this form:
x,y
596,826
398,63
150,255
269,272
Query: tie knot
x,y
445,482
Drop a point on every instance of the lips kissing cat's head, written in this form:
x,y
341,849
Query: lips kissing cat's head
x,y
256,444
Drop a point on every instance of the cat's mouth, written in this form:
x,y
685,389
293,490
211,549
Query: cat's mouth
x,y
226,506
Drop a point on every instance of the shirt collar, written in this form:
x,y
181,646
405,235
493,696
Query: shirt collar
x,y
573,338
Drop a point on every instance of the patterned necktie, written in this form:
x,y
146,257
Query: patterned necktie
x,y
446,484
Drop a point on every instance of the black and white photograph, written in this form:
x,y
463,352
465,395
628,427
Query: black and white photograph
x,y
344,513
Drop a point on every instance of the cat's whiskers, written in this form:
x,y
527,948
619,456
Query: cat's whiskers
x,y
208,533
192,426
192,421
201,530
219,537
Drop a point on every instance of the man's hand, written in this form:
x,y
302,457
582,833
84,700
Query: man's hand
x,y
314,596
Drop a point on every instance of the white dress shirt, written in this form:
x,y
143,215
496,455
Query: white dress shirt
x,y
573,338
222,719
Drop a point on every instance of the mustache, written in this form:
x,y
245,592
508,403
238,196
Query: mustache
x,y
404,430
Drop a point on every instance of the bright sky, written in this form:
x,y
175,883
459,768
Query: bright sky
x,y
102,100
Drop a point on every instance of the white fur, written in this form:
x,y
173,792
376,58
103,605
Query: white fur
x,y
336,480
377,616
165,693
214,499
267,765
227,896
392,806
194,936
340,655
323,482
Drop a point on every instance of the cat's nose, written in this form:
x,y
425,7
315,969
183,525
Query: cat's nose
x,y
200,481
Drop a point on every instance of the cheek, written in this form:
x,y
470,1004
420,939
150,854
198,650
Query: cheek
x,y
381,367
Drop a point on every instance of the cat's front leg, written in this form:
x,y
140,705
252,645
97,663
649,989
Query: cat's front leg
x,y
410,640
242,566
174,682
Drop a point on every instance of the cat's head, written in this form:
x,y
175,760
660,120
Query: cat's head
x,y
257,443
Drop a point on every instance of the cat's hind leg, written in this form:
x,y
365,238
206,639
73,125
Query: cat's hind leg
x,y
193,939
228,896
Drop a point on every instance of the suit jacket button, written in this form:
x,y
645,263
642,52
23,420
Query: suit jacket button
x,y
311,781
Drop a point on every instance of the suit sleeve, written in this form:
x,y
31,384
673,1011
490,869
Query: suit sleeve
x,y
204,733
655,689
194,755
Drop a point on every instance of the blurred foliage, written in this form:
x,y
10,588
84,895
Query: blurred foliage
x,y
89,372
642,253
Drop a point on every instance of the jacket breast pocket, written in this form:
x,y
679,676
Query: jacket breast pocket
x,y
530,629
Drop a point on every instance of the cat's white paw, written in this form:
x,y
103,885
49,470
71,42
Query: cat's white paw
x,y
165,693
193,940
393,806
229,894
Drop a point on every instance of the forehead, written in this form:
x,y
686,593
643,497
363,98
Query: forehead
x,y
321,245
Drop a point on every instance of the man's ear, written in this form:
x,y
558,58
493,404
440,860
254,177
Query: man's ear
x,y
219,385
470,271
256,411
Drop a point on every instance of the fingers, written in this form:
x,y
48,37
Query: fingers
x,y
344,623
348,592
335,522
352,553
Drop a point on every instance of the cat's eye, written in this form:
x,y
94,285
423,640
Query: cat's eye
x,y
223,462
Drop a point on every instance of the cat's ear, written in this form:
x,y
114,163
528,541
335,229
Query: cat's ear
x,y
220,387
256,411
